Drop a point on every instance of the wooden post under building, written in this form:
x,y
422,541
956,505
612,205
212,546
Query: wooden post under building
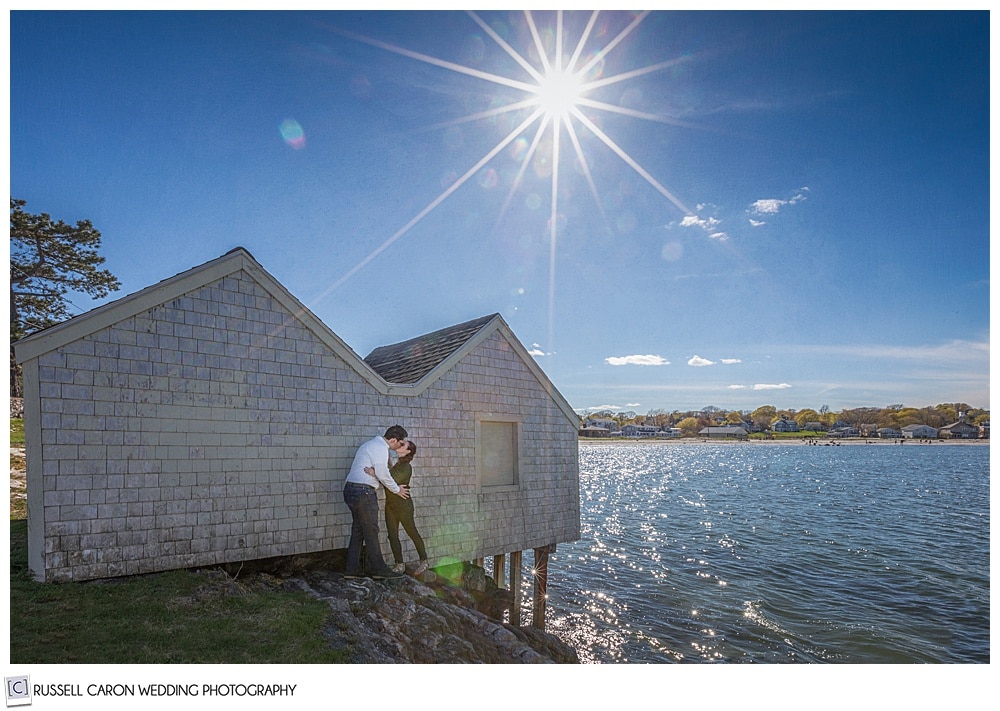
x,y
515,588
541,585
498,563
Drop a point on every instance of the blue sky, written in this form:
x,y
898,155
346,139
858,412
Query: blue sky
x,y
772,208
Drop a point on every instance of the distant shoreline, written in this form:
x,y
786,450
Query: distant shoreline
x,y
849,441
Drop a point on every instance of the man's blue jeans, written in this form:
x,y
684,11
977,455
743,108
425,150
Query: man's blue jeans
x,y
363,503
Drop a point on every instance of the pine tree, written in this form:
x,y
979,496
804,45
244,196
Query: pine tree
x,y
47,261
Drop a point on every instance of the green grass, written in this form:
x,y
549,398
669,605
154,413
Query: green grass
x,y
801,434
178,617
16,432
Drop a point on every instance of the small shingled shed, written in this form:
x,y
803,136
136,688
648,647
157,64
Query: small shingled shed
x,y
212,418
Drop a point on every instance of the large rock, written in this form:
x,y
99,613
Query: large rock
x,y
412,621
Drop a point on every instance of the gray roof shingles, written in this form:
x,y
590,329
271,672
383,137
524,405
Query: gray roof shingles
x,y
407,362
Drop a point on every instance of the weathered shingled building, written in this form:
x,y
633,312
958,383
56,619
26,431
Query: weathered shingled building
x,y
211,418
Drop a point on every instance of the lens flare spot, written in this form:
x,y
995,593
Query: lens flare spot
x,y
448,178
542,165
518,149
488,179
473,50
292,133
672,251
625,223
533,201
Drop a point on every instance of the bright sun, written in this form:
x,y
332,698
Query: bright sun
x,y
558,103
559,92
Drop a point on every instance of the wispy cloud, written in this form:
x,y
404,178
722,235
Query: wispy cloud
x,y
700,362
637,360
772,206
737,387
770,386
708,224
536,350
757,223
731,361
952,352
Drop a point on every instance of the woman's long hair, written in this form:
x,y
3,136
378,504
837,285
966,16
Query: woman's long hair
x,y
409,455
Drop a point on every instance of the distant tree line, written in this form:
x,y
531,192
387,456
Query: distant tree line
x,y
892,416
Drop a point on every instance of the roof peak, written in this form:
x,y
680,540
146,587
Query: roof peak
x,y
408,361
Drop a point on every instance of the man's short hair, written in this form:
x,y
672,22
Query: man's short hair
x,y
396,432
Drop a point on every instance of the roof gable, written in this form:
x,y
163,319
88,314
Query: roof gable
x,y
409,361
419,362
176,286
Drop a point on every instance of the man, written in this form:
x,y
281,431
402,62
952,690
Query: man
x,y
361,497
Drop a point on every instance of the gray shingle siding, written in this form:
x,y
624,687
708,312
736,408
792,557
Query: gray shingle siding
x,y
218,426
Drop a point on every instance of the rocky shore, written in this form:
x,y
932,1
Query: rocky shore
x,y
453,615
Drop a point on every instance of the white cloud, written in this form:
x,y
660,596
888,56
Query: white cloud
x,y
768,386
633,404
703,222
637,360
771,206
731,361
709,224
768,207
737,387
536,352
757,223
698,361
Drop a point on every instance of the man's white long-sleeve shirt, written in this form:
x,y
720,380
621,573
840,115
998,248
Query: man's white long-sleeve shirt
x,y
373,453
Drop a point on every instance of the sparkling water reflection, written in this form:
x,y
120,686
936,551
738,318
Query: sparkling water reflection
x,y
776,553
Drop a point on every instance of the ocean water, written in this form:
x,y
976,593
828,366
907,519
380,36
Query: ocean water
x,y
773,553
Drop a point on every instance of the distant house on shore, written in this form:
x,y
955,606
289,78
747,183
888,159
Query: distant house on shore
x,y
609,425
919,432
785,425
640,430
889,433
212,418
724,432
959,430
594,431
868,429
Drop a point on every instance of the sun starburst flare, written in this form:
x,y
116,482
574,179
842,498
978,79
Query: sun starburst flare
x,y
557,97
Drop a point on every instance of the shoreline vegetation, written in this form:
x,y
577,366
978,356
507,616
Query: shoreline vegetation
x,y
799,441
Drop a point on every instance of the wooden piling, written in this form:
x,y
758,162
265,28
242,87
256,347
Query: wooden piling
x,y
515,588
498,563
541,585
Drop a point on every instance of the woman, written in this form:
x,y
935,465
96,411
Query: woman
x,y
400,511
